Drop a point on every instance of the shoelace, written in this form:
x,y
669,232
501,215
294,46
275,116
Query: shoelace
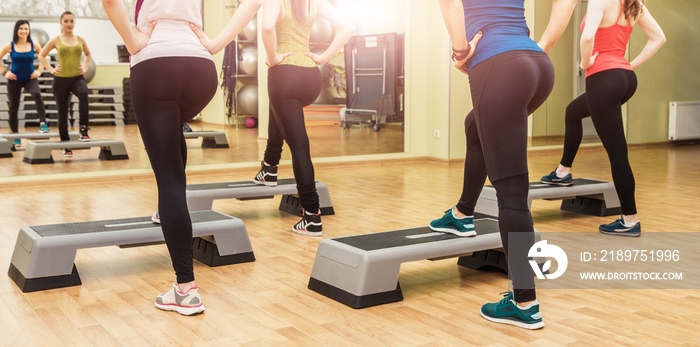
x,y
506,297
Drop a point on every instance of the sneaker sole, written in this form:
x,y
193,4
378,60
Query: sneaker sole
x,y
308,233
621,233
558,183
269,184
531,326
454,232
183,310
84,140
157,221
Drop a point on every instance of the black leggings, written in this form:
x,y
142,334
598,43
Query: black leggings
x,y
606,91
505,90
62,88
290,88
166,93
14,93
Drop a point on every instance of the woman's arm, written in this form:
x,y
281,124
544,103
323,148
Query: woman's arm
x,y
343,30
88,56
42,57
558,20
272,11
656,38
594,16
40,70
134,39
4,50
243,15
453,15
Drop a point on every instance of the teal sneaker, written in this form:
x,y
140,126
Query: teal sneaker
x,y
44,128
17,143
552,178
618,228
508,312
449,223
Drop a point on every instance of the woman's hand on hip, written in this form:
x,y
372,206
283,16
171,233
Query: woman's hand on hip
x,y
276,59
10,76
317,58
585,65
460,64
139,39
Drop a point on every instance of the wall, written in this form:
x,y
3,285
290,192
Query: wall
x,y
548,120
673,74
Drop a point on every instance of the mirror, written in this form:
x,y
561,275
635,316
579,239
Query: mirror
x,y
329,134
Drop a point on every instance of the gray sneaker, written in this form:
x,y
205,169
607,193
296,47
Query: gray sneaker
x,y
187,304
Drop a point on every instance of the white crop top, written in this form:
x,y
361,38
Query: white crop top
x,y
172,36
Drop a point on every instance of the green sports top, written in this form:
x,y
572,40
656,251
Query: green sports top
x,y
69,57
293,36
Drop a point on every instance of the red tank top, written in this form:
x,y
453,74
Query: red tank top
x,y
611,43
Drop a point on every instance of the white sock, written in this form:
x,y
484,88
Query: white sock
x,y
454,209
559,174
627,224
528,305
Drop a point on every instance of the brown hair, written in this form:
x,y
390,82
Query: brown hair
x,y
300,9
633,9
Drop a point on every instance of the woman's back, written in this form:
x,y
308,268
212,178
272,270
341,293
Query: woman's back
x,y
293,35
172,36
503,25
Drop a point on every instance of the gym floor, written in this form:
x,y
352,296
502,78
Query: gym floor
x,y
266,302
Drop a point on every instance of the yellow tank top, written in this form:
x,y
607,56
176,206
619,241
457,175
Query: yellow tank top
x,y
69,58
293,36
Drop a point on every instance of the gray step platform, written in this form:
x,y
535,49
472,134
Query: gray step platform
x,y
40,152
210,139
202,196
585,196
5,149
44,256
363,270
35,136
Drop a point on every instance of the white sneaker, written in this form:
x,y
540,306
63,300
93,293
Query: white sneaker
x,y
155,217
187,304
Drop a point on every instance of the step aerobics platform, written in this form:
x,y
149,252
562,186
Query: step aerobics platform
x,y
202,196
585,196
73,136
44,255
40,152
210,139
363,270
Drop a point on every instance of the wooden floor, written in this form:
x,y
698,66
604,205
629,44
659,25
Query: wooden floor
x,y
266,302
244,146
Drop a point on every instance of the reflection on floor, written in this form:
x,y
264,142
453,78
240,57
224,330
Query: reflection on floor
x,y
325,140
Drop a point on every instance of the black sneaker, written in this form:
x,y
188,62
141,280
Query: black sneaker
x,y
67,152
553,179
84,133
310,224
267,175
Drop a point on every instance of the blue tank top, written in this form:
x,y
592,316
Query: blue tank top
x,y
502,23
22,63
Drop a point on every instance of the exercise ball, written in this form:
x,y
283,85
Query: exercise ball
x,y
40,36
90,73
248,100
321,31
251,122
248,60
250,32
